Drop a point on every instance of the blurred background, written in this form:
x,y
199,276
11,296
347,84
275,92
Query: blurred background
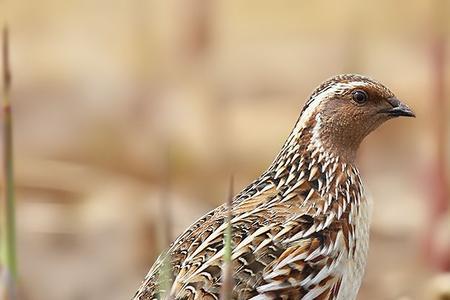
x,y
125,109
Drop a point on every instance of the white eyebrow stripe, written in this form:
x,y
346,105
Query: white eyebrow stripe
x,y
335,88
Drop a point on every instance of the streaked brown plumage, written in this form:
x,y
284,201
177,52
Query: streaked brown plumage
x,y
301,230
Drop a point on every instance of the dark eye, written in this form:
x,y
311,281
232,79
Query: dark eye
x,y
360,96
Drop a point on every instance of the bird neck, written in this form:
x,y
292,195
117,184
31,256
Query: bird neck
x,y
327,184
311,140
308,155
307,169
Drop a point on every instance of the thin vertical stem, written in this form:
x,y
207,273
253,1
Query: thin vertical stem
x,y
227,286
8,233
165,230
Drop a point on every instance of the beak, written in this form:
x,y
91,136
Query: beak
x,y
398,109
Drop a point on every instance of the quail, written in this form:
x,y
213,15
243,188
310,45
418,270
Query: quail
x,y
301,230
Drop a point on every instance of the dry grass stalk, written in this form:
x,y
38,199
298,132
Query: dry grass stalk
x,y
227,283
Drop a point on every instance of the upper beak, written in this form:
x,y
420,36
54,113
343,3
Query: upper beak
x,y
398,109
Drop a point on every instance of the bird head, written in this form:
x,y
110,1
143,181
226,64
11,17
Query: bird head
x,y
346,108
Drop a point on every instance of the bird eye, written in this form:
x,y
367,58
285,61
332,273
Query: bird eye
x,y
360,96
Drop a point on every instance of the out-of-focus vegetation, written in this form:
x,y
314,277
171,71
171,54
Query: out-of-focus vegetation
x,y
8,253
101,88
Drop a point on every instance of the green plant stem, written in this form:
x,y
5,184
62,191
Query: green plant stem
x,y
8,233
165,230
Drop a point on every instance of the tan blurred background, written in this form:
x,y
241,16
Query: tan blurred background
x,y
102,90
